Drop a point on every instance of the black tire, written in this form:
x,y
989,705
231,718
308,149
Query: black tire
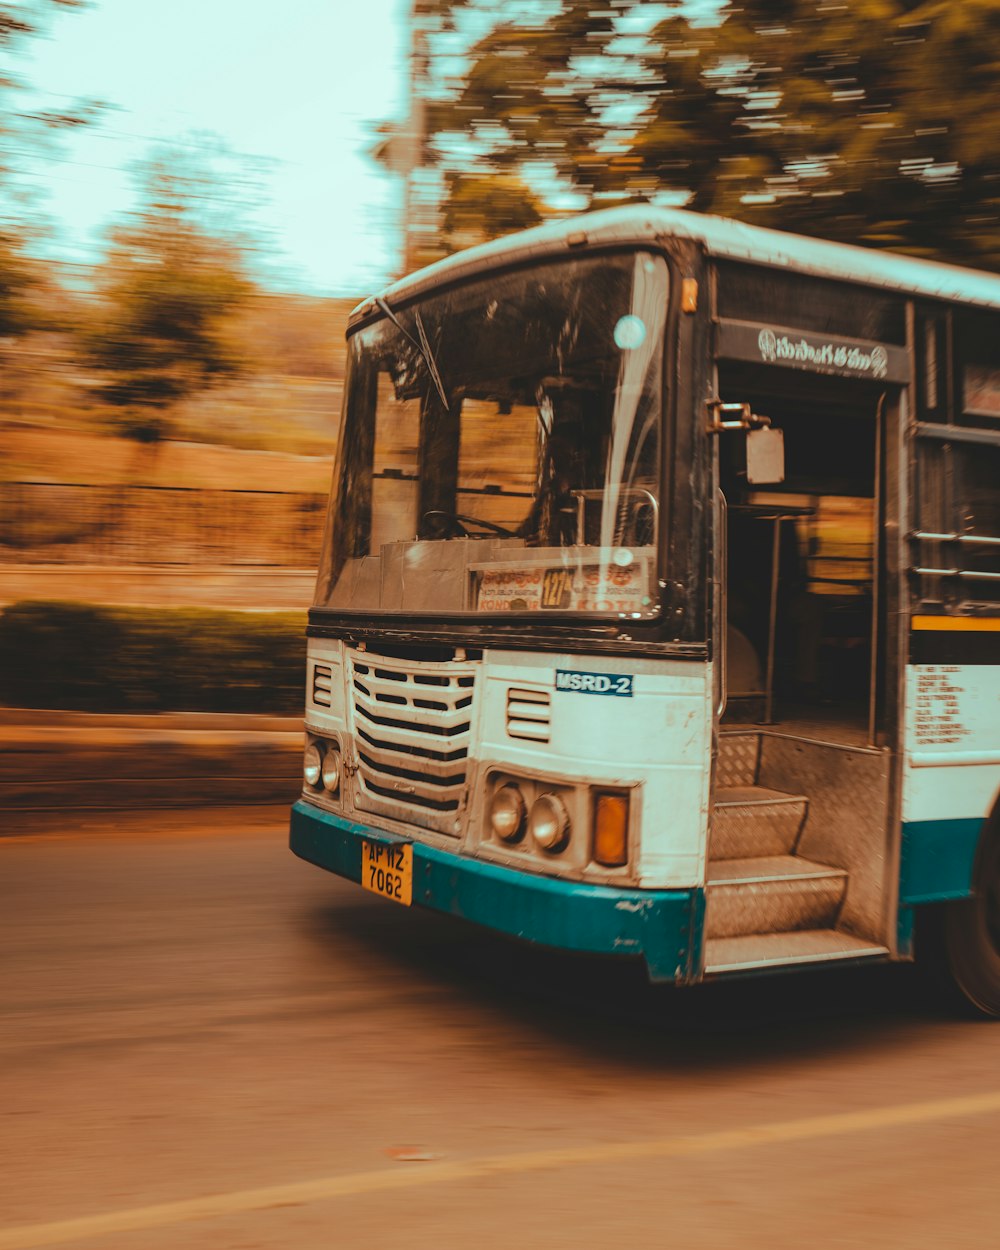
x,y
972,932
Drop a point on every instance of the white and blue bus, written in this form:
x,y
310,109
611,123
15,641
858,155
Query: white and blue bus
x,y
658,613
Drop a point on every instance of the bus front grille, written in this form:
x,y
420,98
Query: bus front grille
x,y
412,723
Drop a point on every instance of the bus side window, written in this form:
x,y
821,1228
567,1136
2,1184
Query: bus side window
x,y
957,496
979,517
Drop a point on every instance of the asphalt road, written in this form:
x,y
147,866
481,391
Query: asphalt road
x,y
206,1043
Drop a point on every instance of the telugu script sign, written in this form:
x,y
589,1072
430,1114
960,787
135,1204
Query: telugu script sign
x,y
795,349
569,587
774,347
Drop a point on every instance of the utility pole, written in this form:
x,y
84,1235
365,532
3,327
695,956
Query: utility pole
x,y
413,140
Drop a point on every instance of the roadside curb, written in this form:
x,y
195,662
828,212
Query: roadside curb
x,y
54,718
72,761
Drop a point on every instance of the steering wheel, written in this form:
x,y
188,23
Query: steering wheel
x,y
442,524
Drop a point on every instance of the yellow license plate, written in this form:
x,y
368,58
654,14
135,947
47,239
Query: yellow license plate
x,y
388,870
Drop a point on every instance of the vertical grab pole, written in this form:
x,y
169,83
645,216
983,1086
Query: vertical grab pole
x,y
722,597
876,572
772,624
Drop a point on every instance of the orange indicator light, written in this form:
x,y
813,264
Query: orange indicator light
x,y
610,828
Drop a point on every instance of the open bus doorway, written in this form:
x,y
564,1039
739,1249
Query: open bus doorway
x,y
803,558
800,837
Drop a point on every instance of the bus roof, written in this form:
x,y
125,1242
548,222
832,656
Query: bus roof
x,y
721,237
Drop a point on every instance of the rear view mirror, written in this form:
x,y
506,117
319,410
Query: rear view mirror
x,y
765,456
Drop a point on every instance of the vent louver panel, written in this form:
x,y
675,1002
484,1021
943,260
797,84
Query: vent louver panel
x,y
413,732
529,714
322,685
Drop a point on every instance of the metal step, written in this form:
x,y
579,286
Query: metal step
x,y
750,820
738,759
760,951
771,893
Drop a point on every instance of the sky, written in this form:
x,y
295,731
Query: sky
x,y
297,86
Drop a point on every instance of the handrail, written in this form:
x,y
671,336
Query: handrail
x,y
981,435
969,575
978,540
772,621
722,625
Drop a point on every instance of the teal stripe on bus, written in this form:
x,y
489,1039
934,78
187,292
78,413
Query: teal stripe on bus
x,y
663,927
938,859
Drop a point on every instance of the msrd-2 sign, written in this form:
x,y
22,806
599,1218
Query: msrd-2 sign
x,y
594,683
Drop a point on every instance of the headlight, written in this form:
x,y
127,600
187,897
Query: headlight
x,y
507,813
549,822
331,769
312,764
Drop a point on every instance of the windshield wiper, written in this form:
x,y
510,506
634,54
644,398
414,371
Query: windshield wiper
x,y
423,346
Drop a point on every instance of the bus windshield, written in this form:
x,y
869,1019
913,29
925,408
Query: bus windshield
x,y
500,448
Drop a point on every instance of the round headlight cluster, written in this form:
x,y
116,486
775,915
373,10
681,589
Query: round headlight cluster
x,y
548,822
312,764
330,775
507,813
321,766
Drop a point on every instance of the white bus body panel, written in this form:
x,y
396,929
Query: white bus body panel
x,y
952,755
659,738
656,740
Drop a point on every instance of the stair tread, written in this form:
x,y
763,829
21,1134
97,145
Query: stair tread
x,y
739,796
803,946
767,868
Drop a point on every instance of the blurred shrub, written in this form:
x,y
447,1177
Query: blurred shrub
x,y
171,282
78,656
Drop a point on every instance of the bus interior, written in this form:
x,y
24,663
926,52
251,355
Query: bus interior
x,y
801,560
798,849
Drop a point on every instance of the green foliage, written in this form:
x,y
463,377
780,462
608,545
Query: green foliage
x,y
172,284
114,659
871,121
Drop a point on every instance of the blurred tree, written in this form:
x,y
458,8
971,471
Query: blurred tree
x,y
172,280
481,207
869,121
17,277
24,128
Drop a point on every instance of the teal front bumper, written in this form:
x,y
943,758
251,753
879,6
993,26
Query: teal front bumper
x,y
663,927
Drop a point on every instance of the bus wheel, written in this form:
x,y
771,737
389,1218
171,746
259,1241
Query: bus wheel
x,y
972,934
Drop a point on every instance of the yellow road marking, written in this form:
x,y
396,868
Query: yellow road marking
x,y
962,624
387,1179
